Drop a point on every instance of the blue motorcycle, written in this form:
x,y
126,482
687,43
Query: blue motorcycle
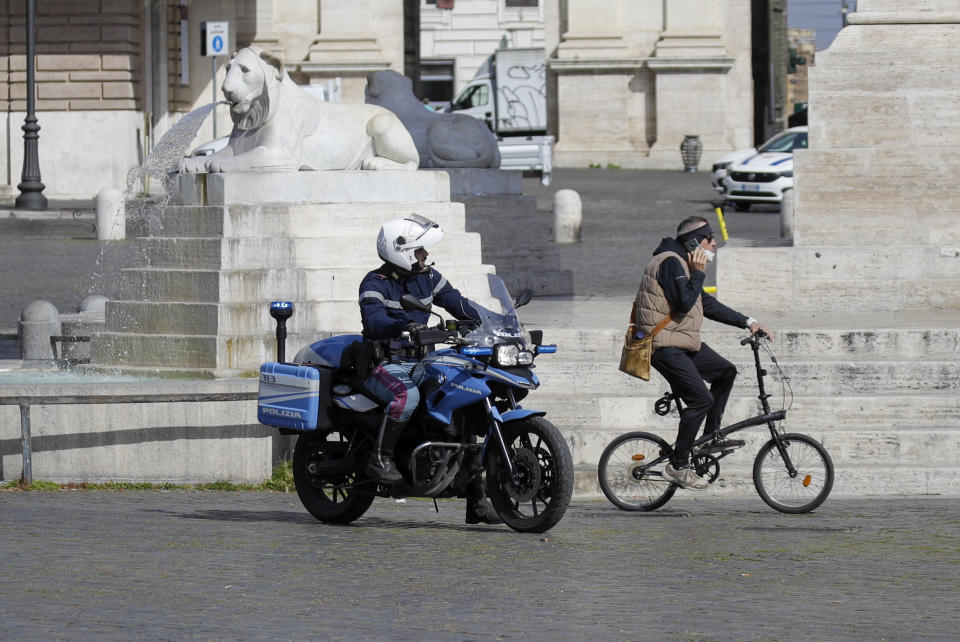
x,y
472,376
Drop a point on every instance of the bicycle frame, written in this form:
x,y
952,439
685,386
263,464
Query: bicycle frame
x,y
767,417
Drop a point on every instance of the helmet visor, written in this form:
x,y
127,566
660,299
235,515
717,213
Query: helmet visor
x,y
419,229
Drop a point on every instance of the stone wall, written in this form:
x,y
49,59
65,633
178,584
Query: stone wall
x,y
878,190
634,77
88,55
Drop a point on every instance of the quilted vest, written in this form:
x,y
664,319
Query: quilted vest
x,y
651,306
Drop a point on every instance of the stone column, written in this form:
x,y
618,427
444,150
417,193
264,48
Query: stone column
x,y
690,62
602,89
355,38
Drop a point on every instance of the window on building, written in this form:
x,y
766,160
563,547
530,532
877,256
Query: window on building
x,y
521,3
436,81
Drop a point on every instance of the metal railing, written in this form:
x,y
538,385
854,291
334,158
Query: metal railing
x,y
25,401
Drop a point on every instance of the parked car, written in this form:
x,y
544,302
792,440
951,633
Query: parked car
x,y
211,147
723,163
762,177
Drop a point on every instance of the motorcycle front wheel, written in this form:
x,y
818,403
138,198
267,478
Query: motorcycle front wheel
x,y
535,498
329,495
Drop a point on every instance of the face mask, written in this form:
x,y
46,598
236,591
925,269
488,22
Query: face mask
x,y
710,255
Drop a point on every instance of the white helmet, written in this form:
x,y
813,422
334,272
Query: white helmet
x,y
399,238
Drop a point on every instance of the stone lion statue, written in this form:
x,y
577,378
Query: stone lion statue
x,y
443,140
279,126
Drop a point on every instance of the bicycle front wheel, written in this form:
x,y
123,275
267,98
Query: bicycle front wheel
x,y
626,477
799,493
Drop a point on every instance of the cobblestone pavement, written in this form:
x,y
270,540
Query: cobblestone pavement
x,y
215,565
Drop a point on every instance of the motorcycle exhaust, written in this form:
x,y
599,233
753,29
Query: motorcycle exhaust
x,y
281,311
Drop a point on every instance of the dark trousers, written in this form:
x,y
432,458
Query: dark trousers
x,y
686,372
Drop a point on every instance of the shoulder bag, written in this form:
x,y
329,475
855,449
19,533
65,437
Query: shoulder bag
x,y
635,356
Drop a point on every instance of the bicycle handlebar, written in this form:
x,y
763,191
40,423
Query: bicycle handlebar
x,y
760,334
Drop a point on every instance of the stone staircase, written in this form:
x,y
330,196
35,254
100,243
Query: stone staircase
x,y
883,400
195,299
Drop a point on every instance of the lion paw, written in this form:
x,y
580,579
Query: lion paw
x,y
379,162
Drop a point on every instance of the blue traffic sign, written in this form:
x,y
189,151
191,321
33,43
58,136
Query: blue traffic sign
x,y
217,43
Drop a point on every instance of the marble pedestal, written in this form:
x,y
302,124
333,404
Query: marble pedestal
x,y
196,300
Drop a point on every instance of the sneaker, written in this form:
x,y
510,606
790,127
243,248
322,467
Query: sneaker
x,y
684,477
719,445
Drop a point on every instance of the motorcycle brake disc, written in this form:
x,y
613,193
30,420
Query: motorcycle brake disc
x,y
526,479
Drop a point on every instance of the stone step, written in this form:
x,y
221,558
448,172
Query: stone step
x,y
862,447
838,278
219,356
231,319
636,412
809,377
339,285
849,481
284,252
294,220
604,344
350,186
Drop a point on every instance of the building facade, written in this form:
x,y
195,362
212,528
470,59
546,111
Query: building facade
x,y
628,79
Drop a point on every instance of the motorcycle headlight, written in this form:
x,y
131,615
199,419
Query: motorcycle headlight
x,y
507,354
510,354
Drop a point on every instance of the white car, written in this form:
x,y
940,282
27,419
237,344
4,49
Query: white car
x,y
722,163
210,148
762,177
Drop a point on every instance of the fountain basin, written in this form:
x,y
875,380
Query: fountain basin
x,y
101,435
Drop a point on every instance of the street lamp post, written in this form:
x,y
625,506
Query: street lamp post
x,y
31,197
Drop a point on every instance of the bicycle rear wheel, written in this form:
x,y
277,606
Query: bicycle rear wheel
x,y
802,492
625,478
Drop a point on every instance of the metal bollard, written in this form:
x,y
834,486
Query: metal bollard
x,y
26,477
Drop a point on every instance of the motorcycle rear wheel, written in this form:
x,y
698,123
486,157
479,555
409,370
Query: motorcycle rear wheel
x,y
330,497
537,497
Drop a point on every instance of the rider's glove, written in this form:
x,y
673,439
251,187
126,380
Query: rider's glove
x,y
413,328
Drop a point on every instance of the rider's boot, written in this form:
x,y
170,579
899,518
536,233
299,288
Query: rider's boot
x,y
381,466
479,508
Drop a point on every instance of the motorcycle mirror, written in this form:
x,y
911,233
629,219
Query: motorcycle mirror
x,y
409,302
523,298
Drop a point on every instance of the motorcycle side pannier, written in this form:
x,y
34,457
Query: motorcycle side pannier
x,y
293,396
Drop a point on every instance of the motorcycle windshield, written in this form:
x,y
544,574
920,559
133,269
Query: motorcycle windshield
x,y
499,323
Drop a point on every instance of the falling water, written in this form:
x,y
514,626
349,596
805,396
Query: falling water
x,y
145,204
165,157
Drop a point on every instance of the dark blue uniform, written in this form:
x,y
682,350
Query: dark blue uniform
x,y
384,318
380,292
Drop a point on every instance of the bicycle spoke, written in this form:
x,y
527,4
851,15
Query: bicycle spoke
x,y
803,491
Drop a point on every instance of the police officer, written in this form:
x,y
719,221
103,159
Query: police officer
x,y
402,244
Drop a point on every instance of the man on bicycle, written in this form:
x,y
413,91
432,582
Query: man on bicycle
x,y
672,285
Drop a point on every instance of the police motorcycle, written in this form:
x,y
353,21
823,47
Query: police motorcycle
x,y
469,422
